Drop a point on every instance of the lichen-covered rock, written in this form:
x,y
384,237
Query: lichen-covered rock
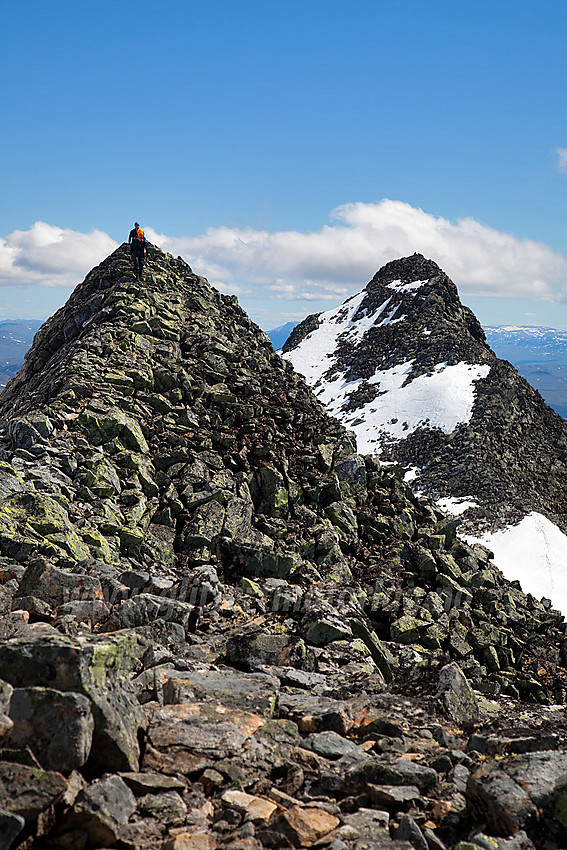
x,y
456,695
256,692
27,791
100,811
97,667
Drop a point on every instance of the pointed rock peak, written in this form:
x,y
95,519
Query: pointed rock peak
x,y
400,281
414,289
407,270
406,366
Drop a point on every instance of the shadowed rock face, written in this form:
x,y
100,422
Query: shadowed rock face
x,y
511,454
222,627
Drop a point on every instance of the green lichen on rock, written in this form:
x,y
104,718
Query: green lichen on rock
x,y
103,425
36,521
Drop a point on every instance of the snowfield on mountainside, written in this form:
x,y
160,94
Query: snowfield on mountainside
x,y
534,552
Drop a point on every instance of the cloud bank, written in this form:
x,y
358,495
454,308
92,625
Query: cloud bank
x,y
340,258
51,256
323,265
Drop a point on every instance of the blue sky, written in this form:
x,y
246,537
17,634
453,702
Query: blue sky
x,y
261,139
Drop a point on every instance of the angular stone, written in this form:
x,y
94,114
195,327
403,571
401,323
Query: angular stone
x,y
397,772
497,745
32,521
375,647
111,797
151,783
322,631
456,695
57,727
408,830
198,840
96,666
351,471
406,629
55,586
273,492
393,796
100,426
147,608
201,729
305,826
167,807
256,692
250,651
331,745
206,524
495,798
542,775
101,810
28,791
257,809
371,828
343,518
316,714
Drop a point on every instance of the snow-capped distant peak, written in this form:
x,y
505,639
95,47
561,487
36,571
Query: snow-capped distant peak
x,y
409,369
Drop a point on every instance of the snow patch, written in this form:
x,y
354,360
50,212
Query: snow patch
x,y
316,353
456,506
406,287
317,349
535,552
441,400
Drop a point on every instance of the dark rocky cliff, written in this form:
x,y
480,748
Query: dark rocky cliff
x,y
511,457
221,627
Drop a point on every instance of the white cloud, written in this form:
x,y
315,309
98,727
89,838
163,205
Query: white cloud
x,y
51,256
340,258
562,159
318,266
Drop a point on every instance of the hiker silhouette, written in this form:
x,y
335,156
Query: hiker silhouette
x,y
138,249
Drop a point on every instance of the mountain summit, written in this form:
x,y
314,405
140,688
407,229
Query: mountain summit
x,y
406,366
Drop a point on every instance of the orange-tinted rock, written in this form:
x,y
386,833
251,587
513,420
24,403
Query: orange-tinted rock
x,y
256,809
190,841
305,826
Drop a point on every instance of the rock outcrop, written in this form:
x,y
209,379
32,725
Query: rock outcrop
x,y
474,429
222,627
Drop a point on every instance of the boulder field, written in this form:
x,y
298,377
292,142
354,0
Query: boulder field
x,y
221,627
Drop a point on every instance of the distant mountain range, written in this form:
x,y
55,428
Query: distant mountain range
x,y
279,335
539,355
16,336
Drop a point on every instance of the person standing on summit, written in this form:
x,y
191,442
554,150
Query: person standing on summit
x,y
138,249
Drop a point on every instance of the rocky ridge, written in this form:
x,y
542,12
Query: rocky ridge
x,y
509,455
221,627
